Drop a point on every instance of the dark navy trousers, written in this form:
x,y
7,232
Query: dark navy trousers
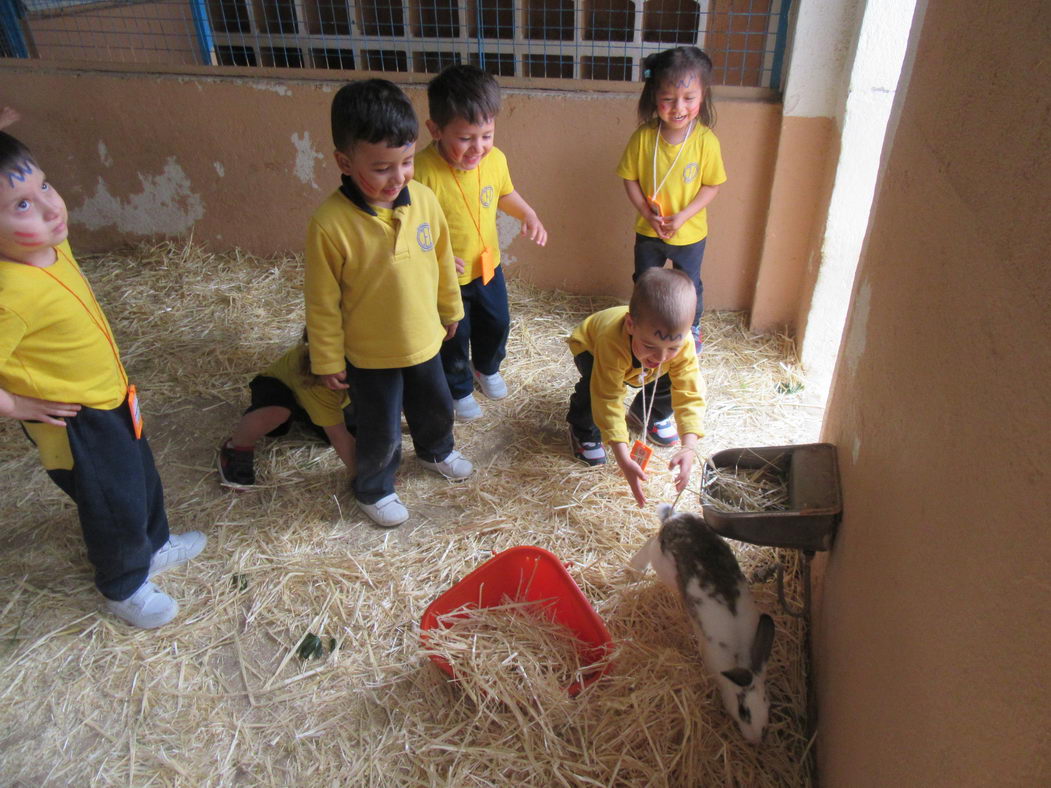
x,y
119,498
378,397
481,337
579,416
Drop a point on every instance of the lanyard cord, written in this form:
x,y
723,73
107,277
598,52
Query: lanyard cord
x,y
657,144
467,203
647,411
99,325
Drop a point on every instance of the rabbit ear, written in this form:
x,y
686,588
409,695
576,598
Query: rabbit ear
x,y
742,677
644,556
763,642
664,511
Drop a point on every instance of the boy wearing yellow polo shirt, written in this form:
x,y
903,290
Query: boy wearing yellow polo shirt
x,y
645,345
471,180
381,296
62,378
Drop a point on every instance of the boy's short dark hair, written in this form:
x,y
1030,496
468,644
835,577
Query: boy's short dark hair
x,y
372,110
665,298
463,92
13,154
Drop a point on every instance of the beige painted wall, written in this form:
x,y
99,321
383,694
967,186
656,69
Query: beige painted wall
x,y
243,160
932,644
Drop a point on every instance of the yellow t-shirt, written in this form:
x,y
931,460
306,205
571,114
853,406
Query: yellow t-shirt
x,y
323,406
699,164
55,341
56,344
605,336
472,209
379,293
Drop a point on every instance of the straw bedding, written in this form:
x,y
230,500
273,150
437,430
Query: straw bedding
x,y
221,696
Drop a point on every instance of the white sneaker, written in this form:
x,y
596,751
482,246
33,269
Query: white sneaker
x,y
454,467
388,511
147,608
467,409
492,386
179,549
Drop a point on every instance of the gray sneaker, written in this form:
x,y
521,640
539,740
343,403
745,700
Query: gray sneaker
x,y
179,549
147,608
467,408
454,467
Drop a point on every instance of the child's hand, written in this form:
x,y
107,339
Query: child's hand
x,y
450,331
8,115
336,381
15,406
654,220
671,224
632,472
683,460
461,266
533,229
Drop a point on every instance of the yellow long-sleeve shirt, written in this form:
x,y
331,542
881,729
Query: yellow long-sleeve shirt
x,y
605,335
378,292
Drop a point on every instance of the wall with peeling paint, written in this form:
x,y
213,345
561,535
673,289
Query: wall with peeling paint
x,y
243,161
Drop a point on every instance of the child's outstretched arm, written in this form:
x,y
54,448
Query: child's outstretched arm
x,y
514,205
345,445
15,406
704,196
631,470
642,205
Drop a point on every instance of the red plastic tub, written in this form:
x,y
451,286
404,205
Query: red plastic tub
x,y
527,574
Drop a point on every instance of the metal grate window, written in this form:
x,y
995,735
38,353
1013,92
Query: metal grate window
x,y
567,39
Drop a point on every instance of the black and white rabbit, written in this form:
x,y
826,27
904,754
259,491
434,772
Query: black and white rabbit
x,y
735,639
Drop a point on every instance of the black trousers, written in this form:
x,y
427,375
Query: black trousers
x,y
119,498
481,337
378,397
579,416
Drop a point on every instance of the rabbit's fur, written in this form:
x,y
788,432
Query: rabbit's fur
x,y
735,639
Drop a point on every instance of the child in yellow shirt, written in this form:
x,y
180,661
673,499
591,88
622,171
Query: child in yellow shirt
x,y
381,296
471,180
62,378
646,345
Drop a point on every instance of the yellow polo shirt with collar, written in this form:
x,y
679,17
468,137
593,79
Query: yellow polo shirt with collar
x,y
471,209
378,292
605,336
699,164
324,406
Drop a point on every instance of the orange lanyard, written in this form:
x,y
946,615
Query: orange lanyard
x,y
96,321
467,203
486,257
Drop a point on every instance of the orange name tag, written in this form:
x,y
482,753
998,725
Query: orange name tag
x,y
641,453
136,413
487,266
655,206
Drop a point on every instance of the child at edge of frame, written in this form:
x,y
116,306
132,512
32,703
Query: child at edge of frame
x,y
61,376
673,166
470,177
283,393
381,296
646,345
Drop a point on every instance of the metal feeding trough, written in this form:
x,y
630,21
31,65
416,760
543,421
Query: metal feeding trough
x,y
813,508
